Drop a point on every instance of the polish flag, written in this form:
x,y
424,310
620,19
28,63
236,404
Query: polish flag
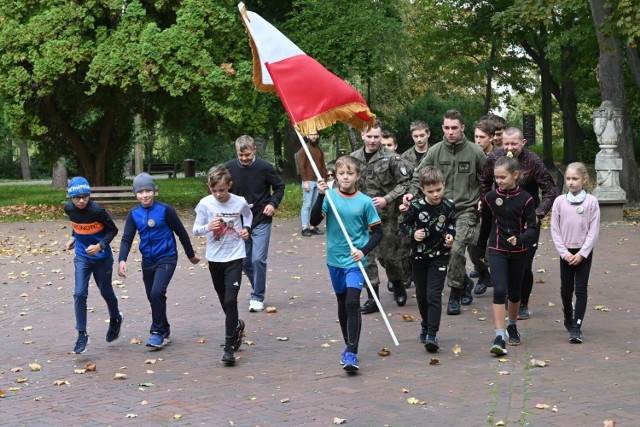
x,y
313,96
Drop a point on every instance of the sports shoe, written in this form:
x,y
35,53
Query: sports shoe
x,y
399,293
156,340
432,344
369,306
306,232
227,356
350,361
514,335
113,333
344,353
575,336
474,274
407,283
453,307
238,334
316,231
81,343
255,306
484,281
467,297
499,348
423,335
523,312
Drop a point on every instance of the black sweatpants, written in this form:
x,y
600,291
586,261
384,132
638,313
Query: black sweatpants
x,y
429,276
226,277
575,278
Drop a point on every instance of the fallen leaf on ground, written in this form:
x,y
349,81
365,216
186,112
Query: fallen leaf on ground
x,y
535,363
554,409
404,390
541,270
482,319
120,376
602,308
144,402
325,345
384,352
474,311
501,423
27,328
271,310
22,380
79,371
503,360
609,423
282,338
150,361
131,416
146,385
15,388
542,406
201,341
177,416
434,361
16,369
247,342
35,367
551,304
61,382
413,401
90,367
2,394
285,400
135,341
337,420
408,318
457,349
539,280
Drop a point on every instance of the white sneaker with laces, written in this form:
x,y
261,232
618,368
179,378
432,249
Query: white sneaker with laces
x,y
255,306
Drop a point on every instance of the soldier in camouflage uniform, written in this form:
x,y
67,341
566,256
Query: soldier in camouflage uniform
x,y
384,179
461,161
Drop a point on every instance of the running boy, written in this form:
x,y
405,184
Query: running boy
x,y
575,224
93,231
505,213
360,219
225,219
155,222
431,225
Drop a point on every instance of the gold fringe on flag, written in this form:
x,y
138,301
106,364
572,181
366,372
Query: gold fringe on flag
x,y
345,113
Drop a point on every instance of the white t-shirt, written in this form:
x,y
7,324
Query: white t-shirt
x,y
224,244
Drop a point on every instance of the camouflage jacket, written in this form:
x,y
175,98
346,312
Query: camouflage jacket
x,y
411,160
385,175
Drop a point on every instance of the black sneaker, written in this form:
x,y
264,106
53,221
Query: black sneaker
x,y
238,334
474,274
575,336
453,307
484,281
227,356
399,293
432,344
499,348
514,335
369,307
423,335
523,312
407,283
306,232
113,333
467,297
317,231
81,343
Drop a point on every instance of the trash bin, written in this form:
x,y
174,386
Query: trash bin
x,y
189,168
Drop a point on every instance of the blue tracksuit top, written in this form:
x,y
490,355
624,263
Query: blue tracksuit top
x,y
156,226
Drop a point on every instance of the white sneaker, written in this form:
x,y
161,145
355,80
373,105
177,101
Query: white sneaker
x,y
255,305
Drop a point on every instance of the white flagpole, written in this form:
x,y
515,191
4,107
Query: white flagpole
x,y
346,236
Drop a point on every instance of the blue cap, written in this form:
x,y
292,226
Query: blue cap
x,y
78,185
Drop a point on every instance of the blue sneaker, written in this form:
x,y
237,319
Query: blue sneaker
x,y
350,362
156,340
81,343
344,353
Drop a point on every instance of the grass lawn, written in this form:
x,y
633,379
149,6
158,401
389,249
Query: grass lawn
x,y
41,202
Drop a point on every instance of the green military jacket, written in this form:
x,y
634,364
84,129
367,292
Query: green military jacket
x,y
411,160
385,176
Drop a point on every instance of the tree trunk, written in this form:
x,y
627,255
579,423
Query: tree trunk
x,y
611,81
547,123
24,160
353,141
277,148
138,159
488,84
634,63
291,146
59,173
573,134
9,147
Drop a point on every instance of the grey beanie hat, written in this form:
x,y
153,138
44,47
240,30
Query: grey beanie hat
x,y
144,181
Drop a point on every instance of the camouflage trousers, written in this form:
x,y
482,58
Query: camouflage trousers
x,y
387,252
467,233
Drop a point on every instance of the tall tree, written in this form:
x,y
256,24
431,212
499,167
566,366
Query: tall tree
x,y
76,73
611,80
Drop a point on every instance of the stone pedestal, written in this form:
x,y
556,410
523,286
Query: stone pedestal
x,y
607,124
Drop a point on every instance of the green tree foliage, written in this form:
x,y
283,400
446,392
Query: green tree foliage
x,y
75,73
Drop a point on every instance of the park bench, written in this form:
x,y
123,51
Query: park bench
x,y
170,169
114,194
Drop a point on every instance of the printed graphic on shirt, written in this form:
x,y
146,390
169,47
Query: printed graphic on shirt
x,y
464,167
87,228
226,231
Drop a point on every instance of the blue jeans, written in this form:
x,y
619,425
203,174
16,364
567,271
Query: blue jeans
x,y
308,200
255,263
156,278
102,270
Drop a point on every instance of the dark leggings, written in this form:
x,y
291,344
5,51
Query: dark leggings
x,y
527,280
506,274
226,277
429,277
575,278
350,317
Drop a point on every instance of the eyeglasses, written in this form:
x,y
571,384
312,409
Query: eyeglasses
x,y
83,197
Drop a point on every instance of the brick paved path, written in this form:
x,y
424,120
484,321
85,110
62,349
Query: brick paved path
x,y
299,381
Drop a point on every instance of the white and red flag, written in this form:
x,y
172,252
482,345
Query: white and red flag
x,y
313,96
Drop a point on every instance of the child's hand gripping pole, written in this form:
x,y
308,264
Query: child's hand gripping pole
x,y
346,236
